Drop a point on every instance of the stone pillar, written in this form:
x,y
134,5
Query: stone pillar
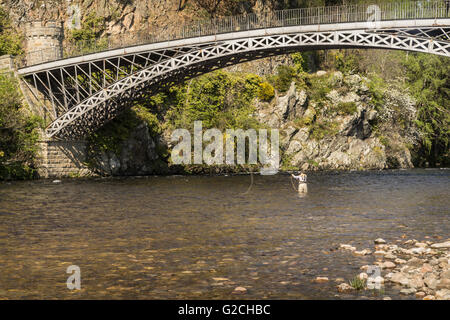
x,y
44,41
59,159
6,64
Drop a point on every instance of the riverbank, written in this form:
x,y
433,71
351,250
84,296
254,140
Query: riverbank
x,y
213,171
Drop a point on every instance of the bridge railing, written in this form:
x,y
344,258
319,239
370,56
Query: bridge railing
x,y
283,18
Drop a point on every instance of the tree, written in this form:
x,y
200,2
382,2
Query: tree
x,y
429,78
10,41
18,133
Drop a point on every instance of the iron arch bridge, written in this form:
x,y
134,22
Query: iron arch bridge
x,y
87,91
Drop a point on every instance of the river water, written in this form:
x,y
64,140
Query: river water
x,y
176,237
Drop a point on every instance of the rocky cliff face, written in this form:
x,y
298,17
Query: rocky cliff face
x,y
138,156
334,141
120,16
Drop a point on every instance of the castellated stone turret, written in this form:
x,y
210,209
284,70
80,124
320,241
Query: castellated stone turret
x,y
44,41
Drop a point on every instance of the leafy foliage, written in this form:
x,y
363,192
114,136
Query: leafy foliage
x,y
300,61
429,79
282,80
219,99
18,133
10,41
88,38
92,27
376,91
358,283
266,92
323,128
318,88
346,108
110,136
346,62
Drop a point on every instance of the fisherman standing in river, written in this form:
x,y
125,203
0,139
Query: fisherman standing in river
x,y
302,186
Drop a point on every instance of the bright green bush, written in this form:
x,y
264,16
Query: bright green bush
x,y
266,92
87,39
347,108
377,87
346,62
219,99
300,62
428,78
323,128
282,80
18,133
10,41
92,27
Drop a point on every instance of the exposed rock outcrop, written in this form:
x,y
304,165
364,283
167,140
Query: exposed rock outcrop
x,y
138,156
332,141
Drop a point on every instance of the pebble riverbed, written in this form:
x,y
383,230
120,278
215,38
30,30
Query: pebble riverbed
x,y
419,268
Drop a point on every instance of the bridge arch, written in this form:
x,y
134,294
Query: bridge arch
x,y
87,91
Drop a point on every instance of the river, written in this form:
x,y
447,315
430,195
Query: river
x,y
199,237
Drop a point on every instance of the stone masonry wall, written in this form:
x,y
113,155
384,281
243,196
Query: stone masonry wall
x,y
6,63
44,41
62,159
57,159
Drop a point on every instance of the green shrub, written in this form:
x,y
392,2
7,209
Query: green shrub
x,y
87,39
18,133
266,92
376,91
347,108
282,80
219,99
318,88
10,41
300,62
346,62
358,283
428,78
323,128
286,162
92,27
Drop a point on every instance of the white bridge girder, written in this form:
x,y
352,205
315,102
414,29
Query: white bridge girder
x,y
86,93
